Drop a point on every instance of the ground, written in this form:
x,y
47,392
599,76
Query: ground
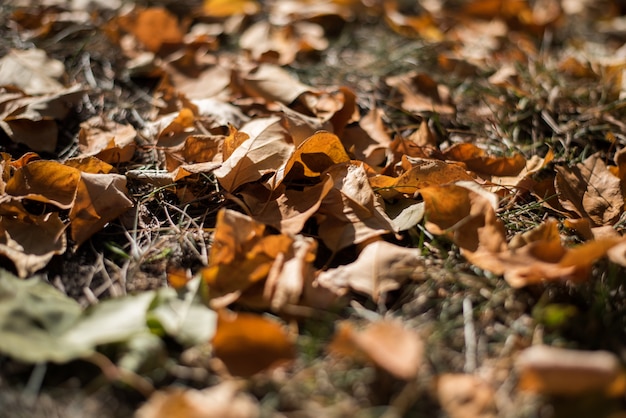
x,y
541,80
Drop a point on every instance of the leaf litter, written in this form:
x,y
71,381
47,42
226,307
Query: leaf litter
x,y
314,209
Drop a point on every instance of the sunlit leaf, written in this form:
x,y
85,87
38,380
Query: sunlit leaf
x,y
248,343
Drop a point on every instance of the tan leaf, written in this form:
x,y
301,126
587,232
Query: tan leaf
x,y
100,198
380,268
109,141
241,257
337,105
590,190
153,27
45,181
422,25
386,344
290,272
464,395
317,153
264,152
421,93
273,83
32,71
248,343
477,160
285,209
281,44
422,173
369,141
564,372
224,400
350,213
225,8
465,212
29,241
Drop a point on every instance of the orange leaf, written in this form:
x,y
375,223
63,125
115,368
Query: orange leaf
x,y
563,372
421,93
386,344
153,27
248,343
590,190
477,160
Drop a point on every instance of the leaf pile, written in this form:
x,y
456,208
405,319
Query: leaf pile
x,y
320,194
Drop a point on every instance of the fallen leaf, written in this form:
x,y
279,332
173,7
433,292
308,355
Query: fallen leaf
x,y
386,344
225,8
248,344
590,190
273,83
32,71
380,268
477,160
153,27
421,93
350,213
464,395
109,141
225,400
265,151
572,373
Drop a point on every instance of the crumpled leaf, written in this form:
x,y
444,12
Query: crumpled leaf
x,y
109,141
572,373
32,71
248,343
478,161
350,213
281,44
380,268
422,25
386,344
420,93
153,27
466,213
241,256
225,400
590,190
30,241
464,395
539,255
263,152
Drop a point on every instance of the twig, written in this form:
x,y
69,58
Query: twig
x,y
470,336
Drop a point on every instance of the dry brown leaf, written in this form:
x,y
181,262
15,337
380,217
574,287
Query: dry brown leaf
x,y
109,141
248,344
281,44
273,83
29,241
337,105
290,273
386,344
464,396
423,25
301,127
465,212
350,213
45,181
564,372
265,151
477,160
590,190
285,209
100,198
241,257
368,141
32,71
422,94
315,154
226,8
224,400
539,255
153,27
286,11
421,173
380,268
